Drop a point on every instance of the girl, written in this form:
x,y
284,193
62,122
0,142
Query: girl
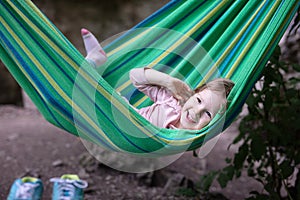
x,y
175,104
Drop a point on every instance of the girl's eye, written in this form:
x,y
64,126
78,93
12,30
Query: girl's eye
x,y
208,114
199,100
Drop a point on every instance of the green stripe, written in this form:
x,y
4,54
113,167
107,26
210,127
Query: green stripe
x,y
238,35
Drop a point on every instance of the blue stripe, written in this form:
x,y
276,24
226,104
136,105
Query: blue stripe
x,y
156,14
47,93
142,25
46,105
240,42
8,44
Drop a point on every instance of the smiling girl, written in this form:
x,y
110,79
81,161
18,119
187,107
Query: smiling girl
x,y
175,104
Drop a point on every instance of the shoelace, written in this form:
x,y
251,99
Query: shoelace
x,y
66,187
25,190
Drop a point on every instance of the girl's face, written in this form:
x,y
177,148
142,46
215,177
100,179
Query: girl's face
x,y
200,109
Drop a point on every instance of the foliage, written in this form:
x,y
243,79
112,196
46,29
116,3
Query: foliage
x,y
187,192
269,136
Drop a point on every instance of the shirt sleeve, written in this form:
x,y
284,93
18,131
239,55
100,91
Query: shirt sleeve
x,y
155,93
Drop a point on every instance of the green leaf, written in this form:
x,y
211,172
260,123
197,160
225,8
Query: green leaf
x,y
297,159
268,101
226,175
240,156
291,93
238,174
251,100
187,192
207,180
296,67
258,147
223,180
251,172
228,160
261,172
272,128
286,169
294,80
229,170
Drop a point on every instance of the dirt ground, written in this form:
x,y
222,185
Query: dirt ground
x,y
30,146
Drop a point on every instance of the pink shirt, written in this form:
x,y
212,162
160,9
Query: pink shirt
x,y
165,111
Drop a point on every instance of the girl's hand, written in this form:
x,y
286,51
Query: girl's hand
x,y
180,90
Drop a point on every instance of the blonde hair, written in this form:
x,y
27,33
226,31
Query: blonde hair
x,y
221,86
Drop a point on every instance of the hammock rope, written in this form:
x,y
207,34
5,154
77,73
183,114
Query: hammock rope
x,y
191,39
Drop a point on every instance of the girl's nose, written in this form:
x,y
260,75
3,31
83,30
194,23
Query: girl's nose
x,y
199,110
199,107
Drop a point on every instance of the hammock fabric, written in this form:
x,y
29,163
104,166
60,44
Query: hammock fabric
x,y
195,40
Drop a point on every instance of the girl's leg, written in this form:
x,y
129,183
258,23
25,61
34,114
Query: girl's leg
x,y
94,51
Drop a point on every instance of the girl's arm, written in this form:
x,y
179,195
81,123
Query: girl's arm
x,y
180,90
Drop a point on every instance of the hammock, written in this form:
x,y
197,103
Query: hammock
x,y
194,40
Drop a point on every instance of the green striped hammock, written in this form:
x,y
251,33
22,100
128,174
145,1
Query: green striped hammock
x,y
194,40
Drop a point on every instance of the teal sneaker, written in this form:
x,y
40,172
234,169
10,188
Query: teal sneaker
x,y
68,187
26,188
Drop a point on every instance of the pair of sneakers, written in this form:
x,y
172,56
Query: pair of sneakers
x,y
67,187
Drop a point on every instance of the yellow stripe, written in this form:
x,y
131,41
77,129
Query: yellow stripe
x,y
228,49
235,41
253,39
58,111
41,16
117,104
190,32
95,84
170,49
91,81
36,29
236,64
51,81
127,43
80,130
233,68
178,43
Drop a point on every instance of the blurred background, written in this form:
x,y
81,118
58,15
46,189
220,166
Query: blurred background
x,y
31,146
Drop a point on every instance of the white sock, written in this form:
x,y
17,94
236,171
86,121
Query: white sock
x,y
94,51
